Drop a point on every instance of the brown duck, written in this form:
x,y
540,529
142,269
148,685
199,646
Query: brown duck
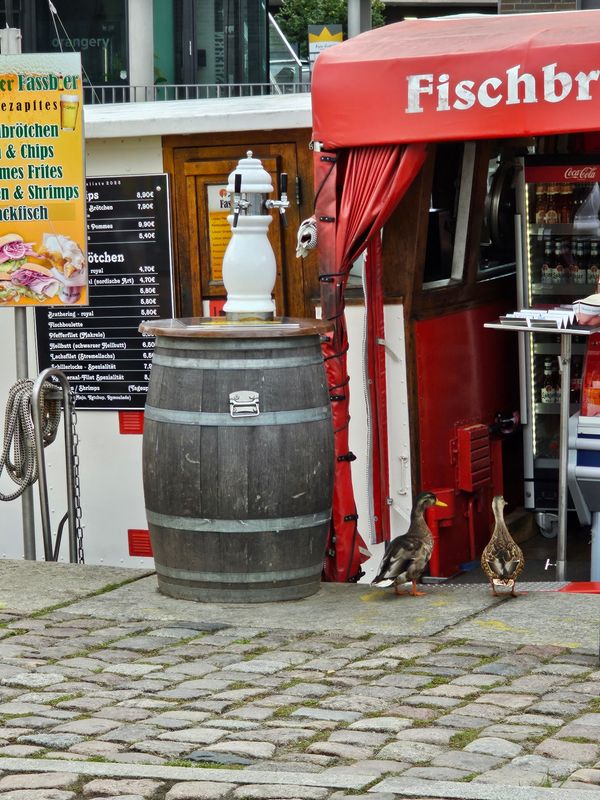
x,y
502,559
406,557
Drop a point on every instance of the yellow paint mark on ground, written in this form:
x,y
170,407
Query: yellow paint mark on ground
x,y
375,596
439,603
498,625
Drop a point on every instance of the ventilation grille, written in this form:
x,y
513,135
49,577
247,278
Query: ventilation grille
x,y
139,543
131,422
474,462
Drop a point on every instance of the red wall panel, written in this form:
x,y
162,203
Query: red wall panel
x,y
465,374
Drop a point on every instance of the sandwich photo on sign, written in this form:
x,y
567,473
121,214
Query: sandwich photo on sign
x,y
55,270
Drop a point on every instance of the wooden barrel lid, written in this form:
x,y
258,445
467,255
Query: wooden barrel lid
x,y
219,327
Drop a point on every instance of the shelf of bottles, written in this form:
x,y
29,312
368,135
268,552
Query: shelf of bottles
x,y
563,243
547,397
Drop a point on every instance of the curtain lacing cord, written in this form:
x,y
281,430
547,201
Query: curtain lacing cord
x,y
341,385
335,317
337,354
326,277
19,434
332,160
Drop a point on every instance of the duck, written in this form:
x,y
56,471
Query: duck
x,y
502,559
406,556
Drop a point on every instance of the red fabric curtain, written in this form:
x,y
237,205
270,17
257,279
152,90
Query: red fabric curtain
x,y
356,191
377,388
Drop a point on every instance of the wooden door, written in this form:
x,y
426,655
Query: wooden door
x,y
201,231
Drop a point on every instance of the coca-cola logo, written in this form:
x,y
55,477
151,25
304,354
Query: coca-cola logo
x,y
582,173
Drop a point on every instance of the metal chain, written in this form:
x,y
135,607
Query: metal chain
x,y
76,484
22,467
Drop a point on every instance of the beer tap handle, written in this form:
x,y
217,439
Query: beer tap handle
x,y
237,190
283,199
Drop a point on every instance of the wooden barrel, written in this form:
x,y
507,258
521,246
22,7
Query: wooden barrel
x,y
238,460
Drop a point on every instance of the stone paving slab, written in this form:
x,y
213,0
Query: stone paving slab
x,y
563,619
469,612
365,609
27,587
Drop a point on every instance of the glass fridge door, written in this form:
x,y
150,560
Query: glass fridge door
x,y
562,204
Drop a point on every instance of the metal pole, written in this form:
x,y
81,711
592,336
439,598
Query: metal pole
x,y
353,18
595,566
141,49
365,15
564,364
359,17
10,44
39,449
28,520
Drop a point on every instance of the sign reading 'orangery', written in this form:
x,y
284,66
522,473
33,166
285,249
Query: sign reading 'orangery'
x,y
42,200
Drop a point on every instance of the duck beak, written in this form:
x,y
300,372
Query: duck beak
x,y
439,503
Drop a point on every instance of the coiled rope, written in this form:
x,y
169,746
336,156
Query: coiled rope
x,y
18,450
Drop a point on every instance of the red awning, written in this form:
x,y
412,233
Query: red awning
x,y
465,77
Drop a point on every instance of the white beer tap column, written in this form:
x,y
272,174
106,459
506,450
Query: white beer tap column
x,y
249,266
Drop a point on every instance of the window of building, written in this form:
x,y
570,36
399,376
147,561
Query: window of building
x,y
96,28
11,13
497,248
19,14
443,214
221,41
451,214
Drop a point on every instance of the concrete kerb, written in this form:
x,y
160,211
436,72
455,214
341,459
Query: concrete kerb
x,y
400,787
351,781
445,790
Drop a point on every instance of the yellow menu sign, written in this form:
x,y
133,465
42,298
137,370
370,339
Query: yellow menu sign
x,y
43,257
219,232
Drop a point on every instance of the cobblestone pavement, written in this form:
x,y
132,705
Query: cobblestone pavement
x,y
95,707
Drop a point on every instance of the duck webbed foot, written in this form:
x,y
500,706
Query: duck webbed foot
x,y
508,585
414,591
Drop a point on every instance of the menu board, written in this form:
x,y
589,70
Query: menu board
x,y
42,204
106,360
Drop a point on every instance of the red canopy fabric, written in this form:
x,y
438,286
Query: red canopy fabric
x,y
464,77
355,196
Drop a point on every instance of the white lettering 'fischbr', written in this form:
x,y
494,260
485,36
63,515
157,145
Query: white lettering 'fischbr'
x,y
514,88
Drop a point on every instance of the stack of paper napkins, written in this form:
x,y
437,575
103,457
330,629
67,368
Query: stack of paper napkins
x,y
560,317
587,311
